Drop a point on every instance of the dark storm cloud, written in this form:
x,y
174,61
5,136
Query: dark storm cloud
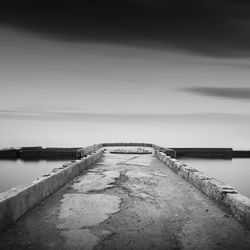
x,y
222,92
214,27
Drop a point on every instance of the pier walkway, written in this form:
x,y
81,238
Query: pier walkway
x,y
126,201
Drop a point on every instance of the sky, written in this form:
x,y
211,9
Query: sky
x,y
124,57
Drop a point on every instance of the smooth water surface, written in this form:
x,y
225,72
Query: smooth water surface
x,y
19,172
168,130
235,172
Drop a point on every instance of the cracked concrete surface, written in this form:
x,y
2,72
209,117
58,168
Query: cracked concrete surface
x,y
127,202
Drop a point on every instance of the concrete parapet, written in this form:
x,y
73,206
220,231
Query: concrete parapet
x,y
239,206
87,150
224,195
17,201
168,151
126,144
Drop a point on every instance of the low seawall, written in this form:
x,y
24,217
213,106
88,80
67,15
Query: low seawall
x,y
212,153
38,153
19,200
218,153
224,195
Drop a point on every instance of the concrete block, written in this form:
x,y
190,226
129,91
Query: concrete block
x,y
185,170
166,159
216,190
199,180
247,212
239,206
174,165
161,156
169,161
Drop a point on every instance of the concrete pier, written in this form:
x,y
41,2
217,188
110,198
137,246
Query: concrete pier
x,y
127,201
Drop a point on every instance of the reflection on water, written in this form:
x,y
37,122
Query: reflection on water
x,y
19,172
234,172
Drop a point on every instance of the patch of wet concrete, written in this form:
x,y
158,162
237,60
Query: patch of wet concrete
x,y
139,184
81,212
96,180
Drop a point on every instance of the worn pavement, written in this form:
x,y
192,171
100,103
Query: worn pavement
x,y
126,201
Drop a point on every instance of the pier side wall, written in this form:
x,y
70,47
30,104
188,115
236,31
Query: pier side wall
x,y
19,200
224,195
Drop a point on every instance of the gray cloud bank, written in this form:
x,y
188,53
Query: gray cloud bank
x,y
213,27
239,93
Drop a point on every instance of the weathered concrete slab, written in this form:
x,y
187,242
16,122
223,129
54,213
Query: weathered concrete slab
x,y
138,206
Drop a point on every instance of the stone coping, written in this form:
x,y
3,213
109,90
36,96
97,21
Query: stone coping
x,y
223,194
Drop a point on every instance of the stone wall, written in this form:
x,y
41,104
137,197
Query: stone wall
x,y
19,200
224,195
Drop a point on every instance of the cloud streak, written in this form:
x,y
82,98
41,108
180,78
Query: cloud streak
x,y
65,116
238,93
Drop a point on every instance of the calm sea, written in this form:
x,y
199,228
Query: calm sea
x,y
18,172
170,130
235,172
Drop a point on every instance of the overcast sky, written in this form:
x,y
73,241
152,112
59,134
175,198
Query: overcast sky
x,y
125,57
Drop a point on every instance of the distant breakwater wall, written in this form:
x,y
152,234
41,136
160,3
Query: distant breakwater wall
x,y
27,153
58,153
19,200
224,195
213,153
38,153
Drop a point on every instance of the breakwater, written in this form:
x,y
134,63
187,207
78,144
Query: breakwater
x,y
19,200
38,153
210,153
